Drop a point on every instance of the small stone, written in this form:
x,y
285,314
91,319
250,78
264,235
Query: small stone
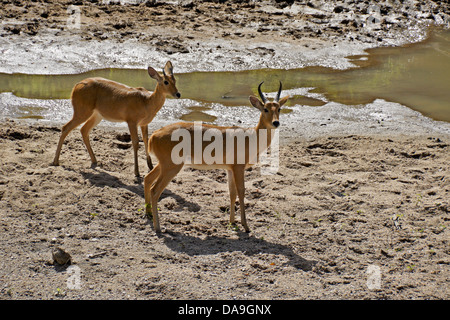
x,y
60,256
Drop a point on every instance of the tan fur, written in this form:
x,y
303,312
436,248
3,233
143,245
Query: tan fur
x,y
161,146
94,99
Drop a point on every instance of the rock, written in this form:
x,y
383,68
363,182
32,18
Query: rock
x,y
338,9
61,257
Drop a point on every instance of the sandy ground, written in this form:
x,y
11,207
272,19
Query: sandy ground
x,y
337,208
357,210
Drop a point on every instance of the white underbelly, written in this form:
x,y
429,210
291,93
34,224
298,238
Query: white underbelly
x,y
111,119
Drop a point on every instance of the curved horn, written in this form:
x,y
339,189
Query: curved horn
x,y
263,98
279,92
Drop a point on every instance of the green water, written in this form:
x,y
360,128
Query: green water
x,y
415,75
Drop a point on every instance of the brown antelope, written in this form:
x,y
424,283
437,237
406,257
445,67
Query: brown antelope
x,y
163,146
94,99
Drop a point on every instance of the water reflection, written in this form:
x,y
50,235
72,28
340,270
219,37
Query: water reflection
x,y
415,75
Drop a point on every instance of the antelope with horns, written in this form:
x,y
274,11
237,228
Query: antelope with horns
x,y
163,146
94,99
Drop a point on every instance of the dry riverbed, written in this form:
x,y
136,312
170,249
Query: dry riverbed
x,y
357,210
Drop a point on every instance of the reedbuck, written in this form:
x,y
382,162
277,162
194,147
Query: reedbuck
x,y
235,159
94,99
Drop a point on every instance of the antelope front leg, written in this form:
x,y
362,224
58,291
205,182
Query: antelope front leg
x,y
232,189
238,174
135,142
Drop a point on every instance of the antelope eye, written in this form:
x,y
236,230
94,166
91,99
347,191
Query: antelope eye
x,y
265,110
166,82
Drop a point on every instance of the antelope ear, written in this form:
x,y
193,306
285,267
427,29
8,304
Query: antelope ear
x,y
283,100
256,103
154,74
168,69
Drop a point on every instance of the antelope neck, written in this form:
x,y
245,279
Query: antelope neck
x,y
157,99
263,125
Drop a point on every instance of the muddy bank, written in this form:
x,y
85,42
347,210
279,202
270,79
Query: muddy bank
x,y
74,36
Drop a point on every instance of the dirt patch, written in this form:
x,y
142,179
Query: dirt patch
x,y
337,208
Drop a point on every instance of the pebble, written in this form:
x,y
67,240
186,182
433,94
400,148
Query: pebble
x,y
61,257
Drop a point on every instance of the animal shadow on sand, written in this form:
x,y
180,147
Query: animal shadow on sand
x,y
195,246
104,179
249,245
